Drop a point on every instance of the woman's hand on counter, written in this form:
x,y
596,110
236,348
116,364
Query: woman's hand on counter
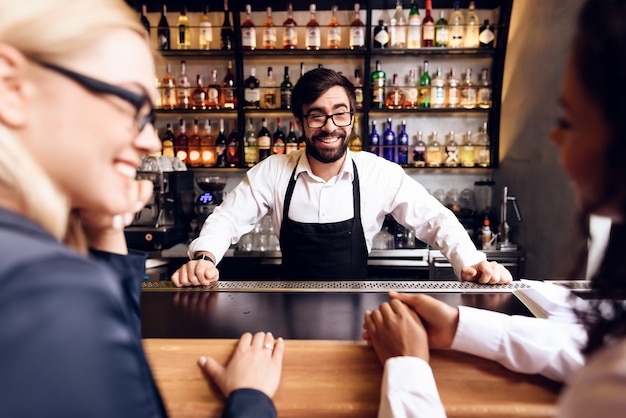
x,y
486,272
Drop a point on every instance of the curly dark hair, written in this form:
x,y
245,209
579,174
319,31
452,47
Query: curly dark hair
x,y
599,56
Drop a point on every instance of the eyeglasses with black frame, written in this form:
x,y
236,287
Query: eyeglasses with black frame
x,y
315,120
140,101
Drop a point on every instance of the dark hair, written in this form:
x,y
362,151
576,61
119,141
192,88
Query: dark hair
x,y
599,57
316,82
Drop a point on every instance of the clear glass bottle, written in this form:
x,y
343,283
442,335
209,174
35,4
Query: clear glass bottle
x,y
414,30
395,95
483,147
441,31
456,27
419,151
183,89
357,29
411,98
468,91
453,91
184,34
397,28
252,93
248,31
199,94
434,151
472,29
467,155
356,143
205,36
269,31
425,87
438,90
483,90
452,151
207,145
313,40
290,34
334,31
270,98
168,88
250,146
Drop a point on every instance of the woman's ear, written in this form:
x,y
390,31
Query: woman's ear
x,y
15,86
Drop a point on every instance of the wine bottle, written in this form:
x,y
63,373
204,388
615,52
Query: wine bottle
x,y
181,145
168,141
184,34
195,155
220,147
163,31
205,36
428,27
227,35
234,147
290,35
291,143
441,31
207,145
144,18
397,30
313,39
472,28
357,30
250,146
424,90
229,97
252,94
248,31
264,140
414,33
213,92
285,91
269,31
334,31
456,27
278,139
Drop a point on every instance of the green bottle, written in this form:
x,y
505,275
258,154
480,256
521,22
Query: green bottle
x,y
424,90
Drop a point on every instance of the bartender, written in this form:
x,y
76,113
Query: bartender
x,y
328,202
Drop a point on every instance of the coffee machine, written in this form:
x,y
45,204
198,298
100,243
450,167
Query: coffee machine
x,y
212,194
166,219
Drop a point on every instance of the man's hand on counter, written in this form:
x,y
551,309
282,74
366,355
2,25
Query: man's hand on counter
x,y
200,271
486,272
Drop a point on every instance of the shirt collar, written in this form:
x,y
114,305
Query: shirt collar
x,y
347,168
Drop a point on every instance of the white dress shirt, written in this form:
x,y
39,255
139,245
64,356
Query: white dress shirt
x,y
385,189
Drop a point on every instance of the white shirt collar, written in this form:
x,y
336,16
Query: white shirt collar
x,y
346,168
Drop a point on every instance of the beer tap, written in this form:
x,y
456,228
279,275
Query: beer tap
x,y
505,244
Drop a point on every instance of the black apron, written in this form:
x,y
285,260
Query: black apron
x,y
313,251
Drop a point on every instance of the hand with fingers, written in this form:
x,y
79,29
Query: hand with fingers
x,y
196,273
487,272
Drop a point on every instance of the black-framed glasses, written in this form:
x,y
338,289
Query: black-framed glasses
x,y
140,101
316,120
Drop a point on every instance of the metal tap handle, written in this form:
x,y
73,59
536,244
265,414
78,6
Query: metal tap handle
x,y
518,214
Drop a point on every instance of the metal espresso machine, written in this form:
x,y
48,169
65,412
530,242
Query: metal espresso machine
x,y
166,218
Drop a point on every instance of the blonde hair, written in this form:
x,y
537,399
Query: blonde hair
x,y
51,31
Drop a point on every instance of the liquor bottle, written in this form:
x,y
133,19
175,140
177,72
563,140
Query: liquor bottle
x,y
378,87
248,31
452,151
482,147
438,90
428,27
199,94
403,146
265,141
419,151
183,89
486,36
313,39
357,29
163,31
395,96
467,155
220,147
389,142
207,145
184,34
252,94
229,96
168,141
250,146
195,154
486,235
412,95
213,92
472,27
453,93
434,152
285,90
270,100
356,143
358,88
168,88
483,93
233,148
397,28
374,140
144,18
181,144
278,139
291,143
227,35
424,90
269,31
456,27
441,31
414,33
381,35
468,91
290,35
205,36
334,31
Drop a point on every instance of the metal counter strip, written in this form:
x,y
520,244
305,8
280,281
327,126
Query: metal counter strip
x,y
340,286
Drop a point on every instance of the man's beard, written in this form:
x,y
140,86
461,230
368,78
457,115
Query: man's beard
x,y
328,155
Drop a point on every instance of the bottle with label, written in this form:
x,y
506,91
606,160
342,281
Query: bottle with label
x,y
313,39
168,141
207,145
264,141
456,27
199,95
419,151
482,147
441,31
468,91
472,27
397,28
220,147
229,96
412,94
389,142
356,143
468,153
403,146
163,31
227,34
486,35
250,146
285,90
269,31
234,146
144,18
270,99
381,35
181,144
184,34
357,30
428,27
205,35
195,154
183,89
168,88
414,32
374,139
214,89
358,88
452,151
248,31
483,93
486,235
395,96
291,143
334,31
438,90
252,93
453,93
378,87
290,34
434,152
278,139
424,89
